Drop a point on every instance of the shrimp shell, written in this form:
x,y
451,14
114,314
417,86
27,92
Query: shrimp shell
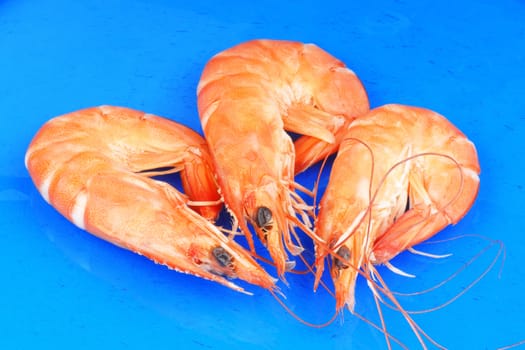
x,y
248,96
93,166
412,174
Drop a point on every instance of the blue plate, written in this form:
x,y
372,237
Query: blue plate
x,y
64,288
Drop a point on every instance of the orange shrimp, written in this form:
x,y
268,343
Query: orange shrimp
x,y
401,175
93,166
248,96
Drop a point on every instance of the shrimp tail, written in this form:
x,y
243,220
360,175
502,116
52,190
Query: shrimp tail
x,y
199,183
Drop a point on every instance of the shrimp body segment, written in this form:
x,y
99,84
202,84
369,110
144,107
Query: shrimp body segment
x,y
248,96
93,166
401,175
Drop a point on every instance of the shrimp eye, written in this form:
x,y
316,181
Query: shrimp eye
x,y
222,256
343,254
263,218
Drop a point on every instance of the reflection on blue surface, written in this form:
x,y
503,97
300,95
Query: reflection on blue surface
x,y
63,287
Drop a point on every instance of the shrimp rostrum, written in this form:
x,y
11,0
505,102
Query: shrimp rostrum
x,y
411,174
248,97
95,166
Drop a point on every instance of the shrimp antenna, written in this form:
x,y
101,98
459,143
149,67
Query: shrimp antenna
x,y
318,181
300,319
333,318
501,251
382,330
382,287
500,243
522,342
418,331
375,288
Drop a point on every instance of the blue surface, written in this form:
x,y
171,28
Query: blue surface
x,y
62,287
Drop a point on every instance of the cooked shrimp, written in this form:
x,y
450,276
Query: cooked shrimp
x,y
93,166
400,176
248,96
